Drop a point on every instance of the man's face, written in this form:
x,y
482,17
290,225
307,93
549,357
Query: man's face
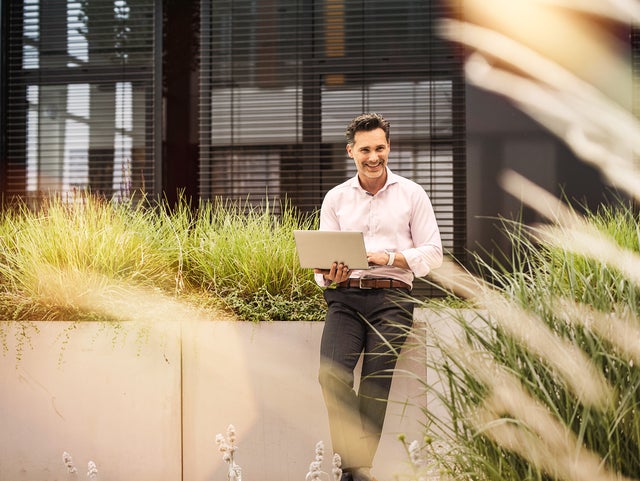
x,y
370,152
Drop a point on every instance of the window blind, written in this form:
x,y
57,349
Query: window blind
x,y
280,80
81,97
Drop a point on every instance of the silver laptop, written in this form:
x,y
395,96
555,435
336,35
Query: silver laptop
x,y
320,248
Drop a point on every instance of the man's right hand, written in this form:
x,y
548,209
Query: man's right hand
x,y
338,272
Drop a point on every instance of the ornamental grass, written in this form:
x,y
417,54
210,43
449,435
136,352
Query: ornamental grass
x,y
538,379
231,259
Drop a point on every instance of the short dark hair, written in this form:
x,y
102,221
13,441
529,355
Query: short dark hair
x,y
366,122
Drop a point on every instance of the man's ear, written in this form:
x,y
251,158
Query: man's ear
x,y
349,150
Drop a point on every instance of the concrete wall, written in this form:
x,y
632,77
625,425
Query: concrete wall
x,y
145,401
110,394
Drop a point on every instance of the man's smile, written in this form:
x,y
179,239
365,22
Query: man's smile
x,y
373,166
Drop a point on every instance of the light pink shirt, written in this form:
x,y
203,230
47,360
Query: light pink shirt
x,y
398,218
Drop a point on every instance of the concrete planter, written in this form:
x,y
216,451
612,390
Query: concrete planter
x,y
145,401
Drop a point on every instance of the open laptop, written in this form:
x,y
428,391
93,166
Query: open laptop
x,y
320,248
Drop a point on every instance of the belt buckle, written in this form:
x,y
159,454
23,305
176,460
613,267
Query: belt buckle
x,y
360,279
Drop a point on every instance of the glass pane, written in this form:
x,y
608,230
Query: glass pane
x,y
78,48
83,115
31,32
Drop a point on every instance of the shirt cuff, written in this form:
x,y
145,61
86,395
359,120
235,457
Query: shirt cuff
x,y
321,281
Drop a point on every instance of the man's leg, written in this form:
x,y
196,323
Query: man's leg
x,y
389,325
358,320
343,339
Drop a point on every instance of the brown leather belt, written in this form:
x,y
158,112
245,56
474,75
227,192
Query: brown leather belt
x,y
373,283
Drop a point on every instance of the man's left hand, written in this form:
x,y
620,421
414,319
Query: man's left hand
x,y
377,258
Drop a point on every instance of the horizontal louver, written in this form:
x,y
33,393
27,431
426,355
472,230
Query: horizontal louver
x,y
80,97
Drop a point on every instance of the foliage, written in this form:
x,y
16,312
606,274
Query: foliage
x,y
58,261
541,381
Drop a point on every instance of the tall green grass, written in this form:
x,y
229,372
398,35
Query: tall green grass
x,y
218,255
542,378
246,255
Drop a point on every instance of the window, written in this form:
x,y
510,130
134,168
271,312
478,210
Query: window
x,y
81,97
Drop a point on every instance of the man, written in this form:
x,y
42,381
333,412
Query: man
x,y
369,311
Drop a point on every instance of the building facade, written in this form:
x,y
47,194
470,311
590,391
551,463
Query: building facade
x,y
248,99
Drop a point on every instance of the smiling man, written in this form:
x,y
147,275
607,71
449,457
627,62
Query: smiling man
x,y
370,312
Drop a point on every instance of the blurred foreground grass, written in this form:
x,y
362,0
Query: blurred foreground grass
x,y
540,380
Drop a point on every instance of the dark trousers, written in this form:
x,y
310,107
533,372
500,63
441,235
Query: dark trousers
x,y
375,322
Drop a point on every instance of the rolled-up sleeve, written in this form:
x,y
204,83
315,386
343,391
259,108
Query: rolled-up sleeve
x,y
425,234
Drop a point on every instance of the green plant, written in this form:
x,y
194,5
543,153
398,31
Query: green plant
x,y
541,380
246,255
85,259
